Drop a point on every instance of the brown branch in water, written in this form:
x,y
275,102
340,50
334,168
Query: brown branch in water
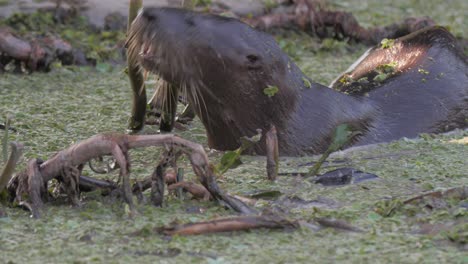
x,y
460,192
36,189
28,187
9,169
243,223
37,53
13,45
310,16
197,191
272,153
88,184
231,224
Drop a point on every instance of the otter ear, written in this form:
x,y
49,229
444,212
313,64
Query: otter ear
x,y
253,61
148,14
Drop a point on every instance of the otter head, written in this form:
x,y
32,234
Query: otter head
x,y
222,64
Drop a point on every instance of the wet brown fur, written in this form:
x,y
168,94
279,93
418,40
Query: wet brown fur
x,y
224,65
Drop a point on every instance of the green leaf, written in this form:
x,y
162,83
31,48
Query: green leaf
x,y
307,83
388,208
230,159
247,142
381,77
343,134
423,71
363,80
374,216
387,43
387,68
270,90
346,79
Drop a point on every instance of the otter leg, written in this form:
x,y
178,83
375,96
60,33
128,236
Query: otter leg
x,y
187,115
137,119
157,186
169,109
272,153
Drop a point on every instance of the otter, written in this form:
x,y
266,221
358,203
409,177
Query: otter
x,y
226,68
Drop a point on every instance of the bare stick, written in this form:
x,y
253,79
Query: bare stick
x,y
461,192
272,153
197,191
36,187
228,225
9,169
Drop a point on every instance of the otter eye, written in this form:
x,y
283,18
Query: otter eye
x,y
253,62
252,58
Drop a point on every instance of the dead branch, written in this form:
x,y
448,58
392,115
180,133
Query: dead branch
x,y
311,17
230,224
28,187
272,153
37,53
460,192
243,223
88,184
9,169
13,45
197,191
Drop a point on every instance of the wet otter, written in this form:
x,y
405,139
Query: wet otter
x,y
224,66
424,86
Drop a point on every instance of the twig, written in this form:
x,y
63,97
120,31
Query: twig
x,y
228,225
272,153
342,136
462,192
9,169
5,139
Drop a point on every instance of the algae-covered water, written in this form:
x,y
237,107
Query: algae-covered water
x,y
51,111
